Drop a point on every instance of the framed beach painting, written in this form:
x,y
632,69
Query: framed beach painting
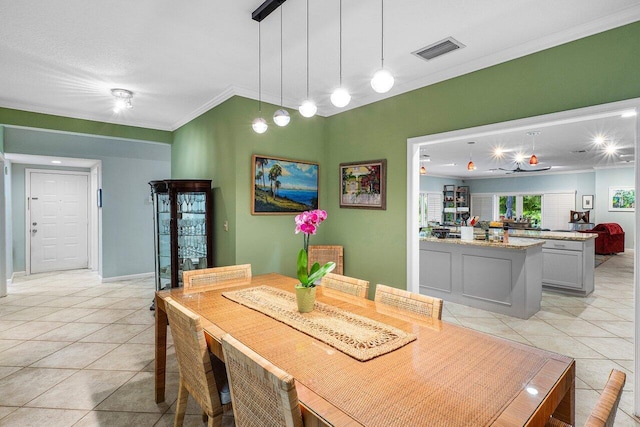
x,y
622,199
283,186
363,184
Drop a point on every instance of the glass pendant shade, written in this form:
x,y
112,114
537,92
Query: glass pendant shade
x,y
533,160
259,125
308,108
340,97
382,81
281,117
471,166
423,170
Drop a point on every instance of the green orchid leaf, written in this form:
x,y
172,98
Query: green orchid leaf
x,y
314,268
302,267
327,268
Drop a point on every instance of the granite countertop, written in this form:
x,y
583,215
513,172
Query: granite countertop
x,y
514,242
553,235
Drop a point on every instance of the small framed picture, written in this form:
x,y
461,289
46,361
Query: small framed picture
x,y
363,184
622,199
587,201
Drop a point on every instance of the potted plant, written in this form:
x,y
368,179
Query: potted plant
x,y
307,223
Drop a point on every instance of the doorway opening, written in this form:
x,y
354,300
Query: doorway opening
x,y
629,108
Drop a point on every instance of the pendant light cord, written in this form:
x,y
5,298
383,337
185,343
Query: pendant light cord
x,y
280,56
307,49
260,67
382,35
340,43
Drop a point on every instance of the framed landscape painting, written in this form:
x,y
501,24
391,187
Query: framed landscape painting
x,y
622,199
363,184
283,186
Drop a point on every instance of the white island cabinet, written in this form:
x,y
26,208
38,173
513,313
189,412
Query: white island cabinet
x,y
504,278
567,260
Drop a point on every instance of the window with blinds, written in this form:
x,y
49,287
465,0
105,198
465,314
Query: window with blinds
x,y
430,205
556,208
482,206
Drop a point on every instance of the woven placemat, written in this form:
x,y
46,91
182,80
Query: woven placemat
x,y
359,337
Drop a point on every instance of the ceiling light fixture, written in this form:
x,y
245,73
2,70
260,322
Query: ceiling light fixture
x,y
628,114
340,97
259,125
598,140
610,149
56,162
123,99
470,166
308,108
423,170
533,160
281,117
382,80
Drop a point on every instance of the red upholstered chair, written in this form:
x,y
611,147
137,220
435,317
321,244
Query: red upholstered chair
x,y
610,238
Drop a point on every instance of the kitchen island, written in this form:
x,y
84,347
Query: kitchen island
x,y
567,260
504,278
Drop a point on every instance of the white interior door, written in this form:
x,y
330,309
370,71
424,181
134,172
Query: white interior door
x,y
57,220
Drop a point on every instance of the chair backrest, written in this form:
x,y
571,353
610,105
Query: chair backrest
x,y
408,301
604,413
322,254
211,276
193,356
262,394
348,285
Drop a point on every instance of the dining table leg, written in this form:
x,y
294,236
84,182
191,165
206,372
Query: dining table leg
x,y
161,349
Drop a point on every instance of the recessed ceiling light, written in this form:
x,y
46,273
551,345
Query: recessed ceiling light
x,y
57,162
610,149
628,114
498,152
599,140
519,158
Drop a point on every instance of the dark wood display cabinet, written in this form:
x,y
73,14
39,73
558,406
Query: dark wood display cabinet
x,y
183,216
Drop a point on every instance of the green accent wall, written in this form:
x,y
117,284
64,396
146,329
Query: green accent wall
x,y
1,139
218,145
595,70
9,116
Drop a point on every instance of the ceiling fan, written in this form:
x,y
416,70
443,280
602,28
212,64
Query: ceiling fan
x,y
518,169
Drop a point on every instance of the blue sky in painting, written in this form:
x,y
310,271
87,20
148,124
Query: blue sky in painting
x,y
298,176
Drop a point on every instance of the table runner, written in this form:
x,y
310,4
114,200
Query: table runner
x,y
357,336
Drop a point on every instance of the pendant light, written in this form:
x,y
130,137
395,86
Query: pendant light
x,y
533,160
423,170
308,108
281,117
259,125
382,80
340,97
470,166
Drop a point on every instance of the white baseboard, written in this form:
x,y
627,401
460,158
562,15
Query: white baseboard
x,y
128,277
17,274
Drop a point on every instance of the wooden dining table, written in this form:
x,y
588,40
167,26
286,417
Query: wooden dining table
x,y
449,375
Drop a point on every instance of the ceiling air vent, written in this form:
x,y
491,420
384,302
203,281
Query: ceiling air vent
x,y
438,49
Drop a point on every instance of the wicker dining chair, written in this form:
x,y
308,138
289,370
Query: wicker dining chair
x,y
201,376
263,394
348,285
211,276
604,413
408,301
322,254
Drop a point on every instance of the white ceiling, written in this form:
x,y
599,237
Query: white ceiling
x,y
566,147
182,58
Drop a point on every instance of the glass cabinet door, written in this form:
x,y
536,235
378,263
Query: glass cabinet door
x,y
191,231
163,280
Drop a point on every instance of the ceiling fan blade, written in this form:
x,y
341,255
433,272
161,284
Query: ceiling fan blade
x,y
535,170
507,170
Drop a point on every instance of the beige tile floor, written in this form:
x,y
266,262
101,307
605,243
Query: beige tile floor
x,y
77,352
